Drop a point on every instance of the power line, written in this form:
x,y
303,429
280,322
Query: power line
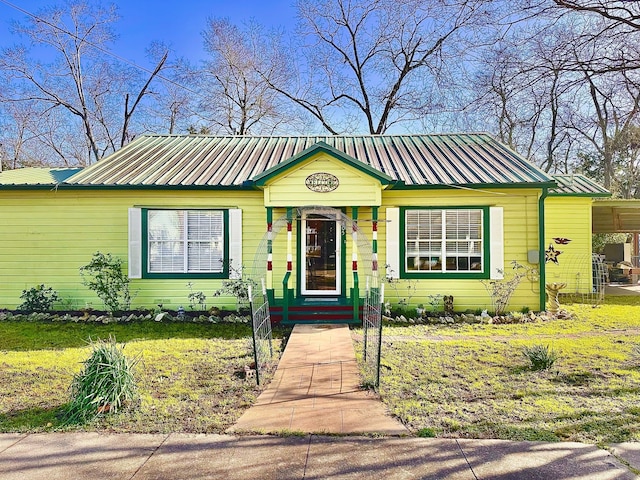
x,y
97,47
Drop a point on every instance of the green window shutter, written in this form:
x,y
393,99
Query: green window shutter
x,y
135,243
235,242
496,249
393,242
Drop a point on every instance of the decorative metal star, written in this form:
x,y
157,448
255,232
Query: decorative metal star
x,y
551,255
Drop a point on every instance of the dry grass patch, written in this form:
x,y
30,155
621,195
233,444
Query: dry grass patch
x,y
190,377
473,381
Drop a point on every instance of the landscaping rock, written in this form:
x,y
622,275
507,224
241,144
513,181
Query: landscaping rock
x,y
163,317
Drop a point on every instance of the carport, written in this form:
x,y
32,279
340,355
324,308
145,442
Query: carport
x,y
619,216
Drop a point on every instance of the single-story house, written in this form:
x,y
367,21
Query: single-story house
x,y
314,219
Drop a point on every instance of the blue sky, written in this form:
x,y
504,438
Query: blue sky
x,y
177,23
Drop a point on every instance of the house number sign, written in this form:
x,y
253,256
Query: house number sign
x,y
322,182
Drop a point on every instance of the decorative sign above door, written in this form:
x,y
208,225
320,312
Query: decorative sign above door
x,y
322,182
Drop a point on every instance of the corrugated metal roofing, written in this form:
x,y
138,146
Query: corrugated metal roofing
x,y
415,160
577,185
36,176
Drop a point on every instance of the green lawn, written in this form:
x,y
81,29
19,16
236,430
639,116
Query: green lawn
x,y
447,381
190,376
473,381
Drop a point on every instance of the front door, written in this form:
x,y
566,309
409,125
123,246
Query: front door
x,y
321,255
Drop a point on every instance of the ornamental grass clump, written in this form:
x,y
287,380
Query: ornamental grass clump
x,y
105,384
540,357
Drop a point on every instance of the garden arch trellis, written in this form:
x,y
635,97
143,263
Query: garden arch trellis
x,y
365,274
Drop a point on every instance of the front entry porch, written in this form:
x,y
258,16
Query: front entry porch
x,y
318,285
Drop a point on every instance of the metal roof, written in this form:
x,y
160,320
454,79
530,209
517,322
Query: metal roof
x,y
616,216
577,185
415,160
36,176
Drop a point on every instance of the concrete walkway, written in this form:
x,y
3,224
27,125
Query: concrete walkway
x,y
58,456
316,389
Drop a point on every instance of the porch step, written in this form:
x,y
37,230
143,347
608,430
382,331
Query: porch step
x,y
314,314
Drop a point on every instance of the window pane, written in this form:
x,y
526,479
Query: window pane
x,y
423,245
205,249
166,225
166,248
205,257
166,257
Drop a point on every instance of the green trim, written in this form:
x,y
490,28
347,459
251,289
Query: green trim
x,y
355,297
285,297
541,245
486,250
185,275
374,242
589,195
299,258
474,186
343,267
262,179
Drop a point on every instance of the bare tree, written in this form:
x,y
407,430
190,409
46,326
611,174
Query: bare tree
x,y
235,82
371,64
523,82
80,80
621,11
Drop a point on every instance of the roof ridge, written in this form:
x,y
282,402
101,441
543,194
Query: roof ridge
x,y
362,135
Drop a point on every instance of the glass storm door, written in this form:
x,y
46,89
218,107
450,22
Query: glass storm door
x,y
320,256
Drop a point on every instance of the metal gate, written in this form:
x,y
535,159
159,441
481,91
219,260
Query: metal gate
x,y
372,330
261,326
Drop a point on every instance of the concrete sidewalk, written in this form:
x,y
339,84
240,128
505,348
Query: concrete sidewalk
x,y
179,456
316,389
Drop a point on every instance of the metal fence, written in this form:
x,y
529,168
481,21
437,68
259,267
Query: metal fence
x,y
372,330
261,325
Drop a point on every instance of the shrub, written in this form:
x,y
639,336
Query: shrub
x,y
196,298
237,287
105,277
104,385
540,357
426,432
38,299
502,290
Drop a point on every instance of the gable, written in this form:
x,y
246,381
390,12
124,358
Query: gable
x,y
321,179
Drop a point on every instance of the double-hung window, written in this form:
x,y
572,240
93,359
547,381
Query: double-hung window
x,y
447,241
185,243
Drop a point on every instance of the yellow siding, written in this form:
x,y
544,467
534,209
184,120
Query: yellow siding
x,y
289,189
570,217
520,235
48,235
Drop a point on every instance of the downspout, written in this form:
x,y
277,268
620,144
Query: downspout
x,y
541,246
